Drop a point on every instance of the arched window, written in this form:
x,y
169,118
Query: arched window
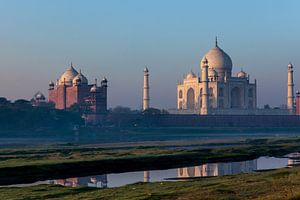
x,y
190,98
221,103
211,91
221,92
250,104
180,94
250,92
236,98
180,105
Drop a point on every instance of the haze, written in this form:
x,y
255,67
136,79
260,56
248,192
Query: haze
x,y
117,38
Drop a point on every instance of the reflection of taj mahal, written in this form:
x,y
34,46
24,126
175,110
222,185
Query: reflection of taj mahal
x,y
218,169
217,91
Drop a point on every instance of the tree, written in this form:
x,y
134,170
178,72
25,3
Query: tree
x,y
4,101
22,104
267,106
121,110
82,108
152,111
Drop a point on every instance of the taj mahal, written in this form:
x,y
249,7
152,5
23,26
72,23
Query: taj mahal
x,y
218,91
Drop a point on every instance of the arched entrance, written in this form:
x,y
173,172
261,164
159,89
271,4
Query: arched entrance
x,y
190,99
236,98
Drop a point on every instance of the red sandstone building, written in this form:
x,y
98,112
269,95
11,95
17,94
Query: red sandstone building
x,y
297,103
73,88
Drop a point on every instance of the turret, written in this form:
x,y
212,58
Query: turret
x,y
290,88
51,85
146,176
104,82
204,79
146,96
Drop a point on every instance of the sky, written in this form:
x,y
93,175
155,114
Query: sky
x,y
118,38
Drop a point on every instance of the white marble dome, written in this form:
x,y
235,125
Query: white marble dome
x,y
68,76
219,61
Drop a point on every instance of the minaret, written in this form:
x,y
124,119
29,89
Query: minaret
x,y
290,88
146,96
146,176
204,79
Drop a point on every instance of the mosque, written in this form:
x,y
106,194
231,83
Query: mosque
x,y
73,88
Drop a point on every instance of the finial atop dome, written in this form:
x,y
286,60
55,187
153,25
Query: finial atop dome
x,y
216,41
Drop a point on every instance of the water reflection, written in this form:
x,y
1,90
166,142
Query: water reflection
x,y
99,181
218,169
294,159
205,170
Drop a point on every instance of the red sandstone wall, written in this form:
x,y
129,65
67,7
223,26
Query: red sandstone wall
x,y
52,96
64,97
60,98
72,96
83,92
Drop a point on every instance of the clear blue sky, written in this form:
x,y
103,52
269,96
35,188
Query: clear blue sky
x,y
117,38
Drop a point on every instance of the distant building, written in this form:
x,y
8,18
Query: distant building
x,y
73,88
39,99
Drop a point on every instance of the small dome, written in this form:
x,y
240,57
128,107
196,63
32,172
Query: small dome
x,y
104,81
51,83
80,78
39,96
146,69
191,75
94,88
68,76
241,74
212,73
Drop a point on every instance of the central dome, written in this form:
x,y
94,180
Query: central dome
x,y
68,76
219,61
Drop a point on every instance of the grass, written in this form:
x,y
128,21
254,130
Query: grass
x,y
277,184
